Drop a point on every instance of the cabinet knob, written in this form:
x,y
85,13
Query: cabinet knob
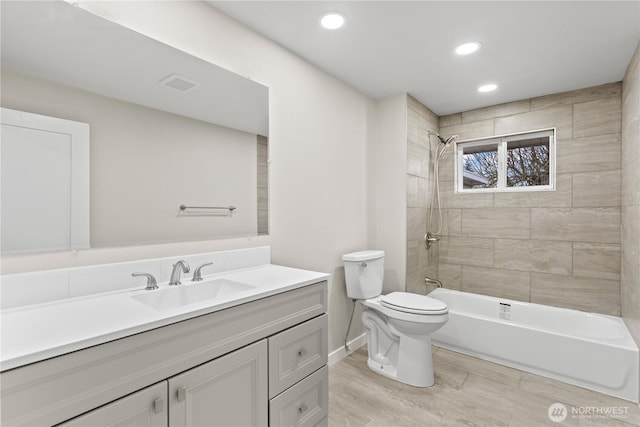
x,y
302,352
302,408
182,394
158,406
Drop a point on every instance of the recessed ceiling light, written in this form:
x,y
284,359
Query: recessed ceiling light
x,y
488,87
332,21
467,48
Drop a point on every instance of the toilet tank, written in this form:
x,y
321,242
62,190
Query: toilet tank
x,y
364,272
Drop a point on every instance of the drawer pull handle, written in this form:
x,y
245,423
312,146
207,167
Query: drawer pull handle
x,y
302,408
302,352
158,406
182,394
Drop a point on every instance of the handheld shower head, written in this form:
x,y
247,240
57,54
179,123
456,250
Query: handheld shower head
x,y
450,140
447,141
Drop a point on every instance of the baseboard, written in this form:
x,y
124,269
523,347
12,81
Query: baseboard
x,y
341,353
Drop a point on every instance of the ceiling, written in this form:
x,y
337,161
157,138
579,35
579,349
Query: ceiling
x,y
529,48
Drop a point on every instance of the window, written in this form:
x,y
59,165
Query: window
x,y
518,162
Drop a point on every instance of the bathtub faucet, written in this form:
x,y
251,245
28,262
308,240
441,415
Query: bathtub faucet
x,y
430,281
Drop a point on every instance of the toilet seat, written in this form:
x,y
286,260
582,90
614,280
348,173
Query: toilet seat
x,y
413,303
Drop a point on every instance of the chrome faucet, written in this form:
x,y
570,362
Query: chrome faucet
x,y
179,267
430,281
197,274
151,281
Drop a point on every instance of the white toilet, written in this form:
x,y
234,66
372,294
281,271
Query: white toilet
x,y
398,325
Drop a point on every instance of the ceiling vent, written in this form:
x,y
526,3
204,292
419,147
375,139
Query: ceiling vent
x,y
178,82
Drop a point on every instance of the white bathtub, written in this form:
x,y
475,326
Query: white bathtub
x,y
586,349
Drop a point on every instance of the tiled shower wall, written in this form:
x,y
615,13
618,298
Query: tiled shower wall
x,y
263,185
561,247
630,280
420,262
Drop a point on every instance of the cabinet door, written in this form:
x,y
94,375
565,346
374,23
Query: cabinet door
x,y
228,391
145,408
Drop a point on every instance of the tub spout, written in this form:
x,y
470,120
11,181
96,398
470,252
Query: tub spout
x,y
430,281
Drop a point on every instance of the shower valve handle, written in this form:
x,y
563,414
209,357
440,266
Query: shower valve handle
x,y
430,239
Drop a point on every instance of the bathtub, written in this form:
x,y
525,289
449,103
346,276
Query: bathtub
x,y
590,350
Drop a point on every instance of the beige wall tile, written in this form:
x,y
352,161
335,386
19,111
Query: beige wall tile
x,y
599,117
413,126
575,96
451,222
428,258
416,223
580,293
417,160
466,250
412,255
596,189
630,186
450,275
414,104
598,225
630,132
451,200
446,167
560,198
413,284
601,260
451,119
497,222
533,255
471,130
496,282
630,218
630,266
416,192
500,110
559,117
593,153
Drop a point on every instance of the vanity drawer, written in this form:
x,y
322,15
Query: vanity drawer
x,y
297,352
304,404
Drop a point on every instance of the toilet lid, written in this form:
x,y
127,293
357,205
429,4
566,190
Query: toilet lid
x,y
413,303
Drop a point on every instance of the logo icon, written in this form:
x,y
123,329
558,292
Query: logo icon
x,y
557,412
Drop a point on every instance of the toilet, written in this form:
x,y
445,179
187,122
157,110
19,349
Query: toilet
x,y
398,325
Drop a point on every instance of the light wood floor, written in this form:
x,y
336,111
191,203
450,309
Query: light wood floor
x,y
468,392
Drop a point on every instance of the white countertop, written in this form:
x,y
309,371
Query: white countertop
x,y
37,332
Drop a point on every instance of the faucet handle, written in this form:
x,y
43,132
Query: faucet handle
x,y
197,274
151,281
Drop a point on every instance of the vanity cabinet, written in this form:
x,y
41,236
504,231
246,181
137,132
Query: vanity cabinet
x,y
147,407
229,391
256,364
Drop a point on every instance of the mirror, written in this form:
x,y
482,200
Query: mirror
x,y
166,128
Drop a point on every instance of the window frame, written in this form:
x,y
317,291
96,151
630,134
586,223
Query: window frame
x,y
501,142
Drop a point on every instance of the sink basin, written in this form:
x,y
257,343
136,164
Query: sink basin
x,y
172,297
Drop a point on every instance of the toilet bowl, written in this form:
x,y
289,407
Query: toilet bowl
x,y
398,325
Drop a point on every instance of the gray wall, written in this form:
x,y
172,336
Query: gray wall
x,y
630,280
561,247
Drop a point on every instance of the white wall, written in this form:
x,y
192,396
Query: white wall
x,y
388,164
319,131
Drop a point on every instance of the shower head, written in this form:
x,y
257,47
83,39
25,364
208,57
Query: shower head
x,y
447,141
450,140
